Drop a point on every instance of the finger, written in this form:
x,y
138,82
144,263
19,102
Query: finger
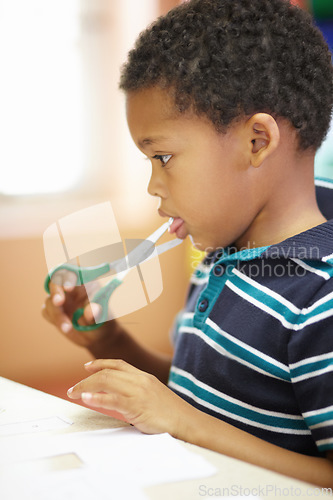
x,y
64,324
64,278
92,312
57,294
57,277
111,364
57,316
60,282
69,281
108,381
106,401
45,314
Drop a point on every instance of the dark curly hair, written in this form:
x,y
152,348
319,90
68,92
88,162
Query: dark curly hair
x,y
231,58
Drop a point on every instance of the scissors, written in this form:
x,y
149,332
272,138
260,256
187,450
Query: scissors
x,y
141,253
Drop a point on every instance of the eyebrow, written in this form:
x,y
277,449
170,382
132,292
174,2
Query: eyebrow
x,y
150,140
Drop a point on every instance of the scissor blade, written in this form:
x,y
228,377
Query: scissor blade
x,y
167,246
146,248
159,249
155,236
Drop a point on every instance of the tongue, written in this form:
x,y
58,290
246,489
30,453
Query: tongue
x,y
175,225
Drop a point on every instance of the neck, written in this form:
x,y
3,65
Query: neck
x,y
291,206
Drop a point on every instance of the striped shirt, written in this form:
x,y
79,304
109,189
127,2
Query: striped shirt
x,y
254,343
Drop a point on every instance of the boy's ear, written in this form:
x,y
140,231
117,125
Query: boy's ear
x,y
264,136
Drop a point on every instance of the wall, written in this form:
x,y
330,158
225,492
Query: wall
x,y
32,351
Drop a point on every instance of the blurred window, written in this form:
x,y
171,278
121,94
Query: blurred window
x,y
41,99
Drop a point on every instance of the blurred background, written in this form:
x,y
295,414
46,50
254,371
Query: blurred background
x,y
65,147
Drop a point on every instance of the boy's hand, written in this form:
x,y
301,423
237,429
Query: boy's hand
x,y
141,398
64,299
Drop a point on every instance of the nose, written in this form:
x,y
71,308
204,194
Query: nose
x,y
156,186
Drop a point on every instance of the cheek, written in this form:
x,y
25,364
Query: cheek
x,y
204,187
189,199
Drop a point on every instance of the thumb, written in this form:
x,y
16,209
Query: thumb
x,y
92,313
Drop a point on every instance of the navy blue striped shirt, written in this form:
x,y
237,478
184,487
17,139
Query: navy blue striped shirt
x,y
254,343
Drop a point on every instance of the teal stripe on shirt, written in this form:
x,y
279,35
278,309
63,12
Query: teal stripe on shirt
x,y
278,307
319,418
224,340
241,352
286,424
312,367
324,267
325,445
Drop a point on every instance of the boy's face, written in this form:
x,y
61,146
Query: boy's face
x,y
201,176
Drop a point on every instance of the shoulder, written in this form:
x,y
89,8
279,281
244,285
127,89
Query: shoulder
x,y
311,255
290,284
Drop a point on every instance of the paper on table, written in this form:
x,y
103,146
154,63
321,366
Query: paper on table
x,y
117,454
79,484
146,459
39,425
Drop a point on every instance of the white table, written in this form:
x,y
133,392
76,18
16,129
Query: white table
x,y
233,478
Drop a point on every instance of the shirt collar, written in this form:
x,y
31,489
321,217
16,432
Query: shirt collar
x,y
314,244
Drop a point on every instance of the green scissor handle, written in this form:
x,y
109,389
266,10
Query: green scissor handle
x,y
83,275
86,274
102,298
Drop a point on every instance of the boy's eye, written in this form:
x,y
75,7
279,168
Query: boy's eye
x,y
163,159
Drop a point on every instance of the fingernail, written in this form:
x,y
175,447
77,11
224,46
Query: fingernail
x,y
86,396
57,299
70,390
66,327
88,363
68,286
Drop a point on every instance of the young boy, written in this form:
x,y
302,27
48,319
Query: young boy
x,y
230,100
